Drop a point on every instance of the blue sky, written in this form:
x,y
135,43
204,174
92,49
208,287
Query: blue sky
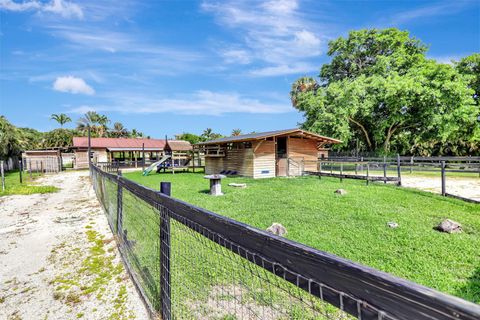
x,y
165,67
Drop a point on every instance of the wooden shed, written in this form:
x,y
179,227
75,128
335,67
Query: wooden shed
x,y
266,154
48,161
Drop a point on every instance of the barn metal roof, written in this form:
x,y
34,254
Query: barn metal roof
x,y
179,145
268,134
119,143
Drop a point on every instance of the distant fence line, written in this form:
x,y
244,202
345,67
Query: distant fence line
x,y
187,262
380,169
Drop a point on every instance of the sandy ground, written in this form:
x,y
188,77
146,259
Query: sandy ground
x,y
58,259
464,187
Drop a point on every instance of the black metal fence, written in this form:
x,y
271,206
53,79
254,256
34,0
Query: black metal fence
x,y
189,263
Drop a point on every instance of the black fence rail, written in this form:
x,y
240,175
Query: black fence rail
x,y
189,263
360,170
411,163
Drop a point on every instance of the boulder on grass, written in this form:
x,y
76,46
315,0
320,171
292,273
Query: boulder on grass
x,y
341,192
392,224
278,229
449,226
237,185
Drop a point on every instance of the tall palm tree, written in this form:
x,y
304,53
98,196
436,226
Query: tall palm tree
x,y
89,119
236,132
61,118
207,133
136,134
97,123
103,122
119,130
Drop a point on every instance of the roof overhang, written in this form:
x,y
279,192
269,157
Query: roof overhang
x,y
266,135
133,149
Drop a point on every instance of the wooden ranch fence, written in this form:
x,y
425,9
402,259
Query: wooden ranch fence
x,y
188,263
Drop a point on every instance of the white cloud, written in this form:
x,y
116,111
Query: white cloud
x,y
19,6
202,102
239,56
274,33
63,8
446,59
438,9
72,85
283,70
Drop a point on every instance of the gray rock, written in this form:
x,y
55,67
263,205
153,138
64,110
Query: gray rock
x,y
392,224
237,185
341,192
449,226
278,229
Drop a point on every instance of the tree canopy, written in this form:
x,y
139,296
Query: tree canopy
x,y
380,92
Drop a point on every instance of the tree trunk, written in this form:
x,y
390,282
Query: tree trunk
x,y
364,132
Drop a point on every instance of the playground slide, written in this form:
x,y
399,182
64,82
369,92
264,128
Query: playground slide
x,y
155,164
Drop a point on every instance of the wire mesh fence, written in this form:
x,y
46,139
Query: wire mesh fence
x,y
188,263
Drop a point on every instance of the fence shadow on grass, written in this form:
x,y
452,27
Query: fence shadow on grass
x,y
472,288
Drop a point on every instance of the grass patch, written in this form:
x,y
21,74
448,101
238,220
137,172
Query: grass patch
x,y
353,226
13,185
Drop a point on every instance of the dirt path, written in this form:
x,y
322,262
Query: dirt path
x,y
58,259
464,187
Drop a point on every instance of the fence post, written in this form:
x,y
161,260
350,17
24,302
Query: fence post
x,y
165,284
384,171
443,179
20,168
411,164
367,172
341,172
3,175
320,170
119,206
399,170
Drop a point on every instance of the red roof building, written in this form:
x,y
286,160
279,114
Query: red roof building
x,y
122,149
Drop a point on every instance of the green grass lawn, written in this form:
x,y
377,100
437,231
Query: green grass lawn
x,y
13,185
353,226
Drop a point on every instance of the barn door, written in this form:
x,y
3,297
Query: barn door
x,y
281,157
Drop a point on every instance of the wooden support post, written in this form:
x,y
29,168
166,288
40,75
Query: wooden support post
x,y
20,167
30,168
2,172
143,156
444,192
399,171
41,167
165,280
89,147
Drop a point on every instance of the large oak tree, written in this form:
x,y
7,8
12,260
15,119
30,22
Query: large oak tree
x,y
380,90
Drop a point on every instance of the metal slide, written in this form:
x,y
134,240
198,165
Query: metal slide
x,y
155,164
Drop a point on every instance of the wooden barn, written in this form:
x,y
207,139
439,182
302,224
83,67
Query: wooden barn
x,y
267,154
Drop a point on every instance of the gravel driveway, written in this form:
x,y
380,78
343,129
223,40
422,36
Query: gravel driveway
x,y
461,186
58,259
